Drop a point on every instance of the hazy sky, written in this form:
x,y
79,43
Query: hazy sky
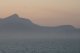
x,y
44,12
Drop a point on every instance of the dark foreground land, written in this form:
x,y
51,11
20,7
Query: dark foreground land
x,y
40,46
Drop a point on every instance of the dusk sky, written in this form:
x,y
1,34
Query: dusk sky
x,y
44,12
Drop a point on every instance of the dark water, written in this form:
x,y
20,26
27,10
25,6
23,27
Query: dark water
x,y
40,46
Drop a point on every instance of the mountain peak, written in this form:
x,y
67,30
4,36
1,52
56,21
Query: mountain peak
x,y
14,16
15,20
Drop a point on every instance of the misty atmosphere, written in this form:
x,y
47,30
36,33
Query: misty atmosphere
x,y
39,26
20,35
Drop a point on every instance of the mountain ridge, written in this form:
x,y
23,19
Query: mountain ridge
x,y
16,25
15,19
15,16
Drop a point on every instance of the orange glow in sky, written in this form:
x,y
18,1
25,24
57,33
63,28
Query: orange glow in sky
x,y
44,12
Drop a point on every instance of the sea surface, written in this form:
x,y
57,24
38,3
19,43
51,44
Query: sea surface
x,y
40,46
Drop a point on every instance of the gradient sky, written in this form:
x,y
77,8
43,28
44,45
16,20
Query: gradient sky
x,y
44,12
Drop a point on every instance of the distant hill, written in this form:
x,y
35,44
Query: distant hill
x,y
14,23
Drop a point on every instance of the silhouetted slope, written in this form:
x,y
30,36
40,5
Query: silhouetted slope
x,y
14,23
17,23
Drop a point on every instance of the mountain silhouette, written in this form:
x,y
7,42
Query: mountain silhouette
x,y
14,23
17,23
